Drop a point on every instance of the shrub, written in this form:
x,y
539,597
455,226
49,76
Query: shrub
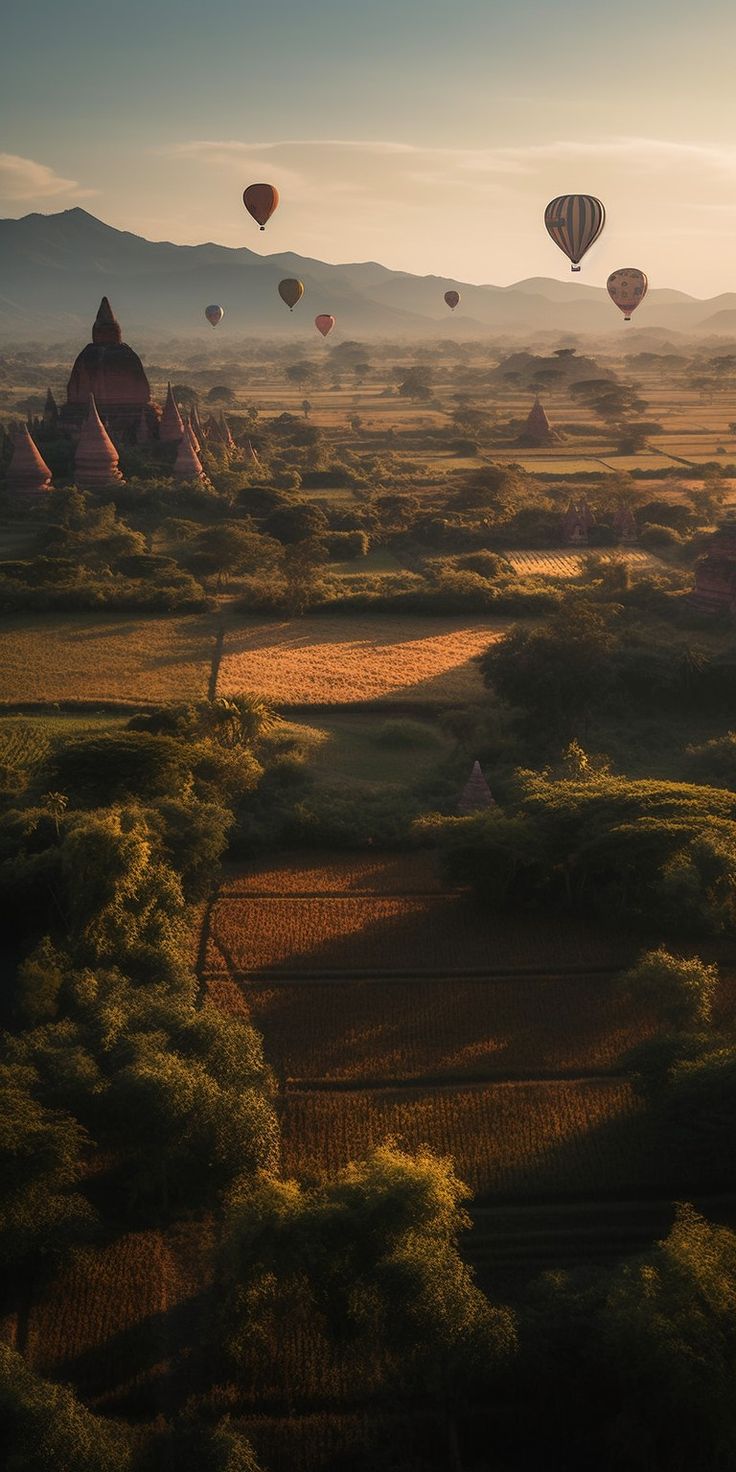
x,y
680,989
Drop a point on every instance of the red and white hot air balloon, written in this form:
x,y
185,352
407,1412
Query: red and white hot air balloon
x,y
627,288
324,323
214,314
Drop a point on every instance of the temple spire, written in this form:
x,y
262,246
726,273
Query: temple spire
x,y
28,474
95,459
188,465
50,411
171,427
106,329
476,795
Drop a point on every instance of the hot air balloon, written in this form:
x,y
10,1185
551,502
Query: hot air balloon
x,y
324,323
291,291
214,314
627,288
452,298
575,221
261,200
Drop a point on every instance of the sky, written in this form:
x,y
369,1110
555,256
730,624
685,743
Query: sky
x,y
425,134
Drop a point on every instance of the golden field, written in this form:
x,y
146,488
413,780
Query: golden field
x,y
107,657
339,660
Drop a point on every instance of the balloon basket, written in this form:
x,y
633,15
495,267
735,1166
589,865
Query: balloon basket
x,y
576,268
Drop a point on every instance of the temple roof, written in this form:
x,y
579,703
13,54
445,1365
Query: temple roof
x,y
188,465
476,794
28,470
95,458
108,368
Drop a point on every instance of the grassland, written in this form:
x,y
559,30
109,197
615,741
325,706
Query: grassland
x,y
113,658
26,740
334,660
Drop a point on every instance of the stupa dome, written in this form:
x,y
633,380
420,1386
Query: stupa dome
x,y
112,372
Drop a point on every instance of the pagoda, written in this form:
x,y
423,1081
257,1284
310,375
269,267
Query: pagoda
x,y
715,573
28,477
95,459
576,523
113,373
476,795
538,431
188,465
171,428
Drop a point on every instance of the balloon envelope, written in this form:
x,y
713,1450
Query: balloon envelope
x,y
324,323
574,222
452,298
261,200
214,314
627,288
291,291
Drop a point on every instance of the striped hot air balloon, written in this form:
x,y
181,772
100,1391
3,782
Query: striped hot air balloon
x,y
452,298
574,222
627,288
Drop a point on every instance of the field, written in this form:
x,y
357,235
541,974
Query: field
x,y
511,1140
444,1028
26,740
570,564
435,934
105,657
336,661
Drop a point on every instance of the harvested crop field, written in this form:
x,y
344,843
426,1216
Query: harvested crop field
x,y
515,1140
570,564
342,660
113,1317
91,657
336,873
373,1032
432,934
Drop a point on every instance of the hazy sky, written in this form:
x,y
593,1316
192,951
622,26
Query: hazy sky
x,y
427,134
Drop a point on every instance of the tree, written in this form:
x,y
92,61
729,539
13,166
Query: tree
x,y
558,672
221,394
417,382
239,720
41,1161
299,372
46,1429
680,989
227,548
185,395
95,770
371,1259
296,523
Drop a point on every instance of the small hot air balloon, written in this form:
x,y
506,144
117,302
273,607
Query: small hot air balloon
x,y
452,298
291,291
214,314
575,221
324,323
261,200
627,288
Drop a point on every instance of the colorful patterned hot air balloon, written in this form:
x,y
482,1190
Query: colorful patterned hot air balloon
x,y
291,291
324,323
627,288
214,314
452,298
261,200
574,221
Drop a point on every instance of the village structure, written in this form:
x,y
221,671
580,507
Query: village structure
x,y
109,405
476,795
538,432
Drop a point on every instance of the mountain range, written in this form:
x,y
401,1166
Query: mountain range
x,y
54,269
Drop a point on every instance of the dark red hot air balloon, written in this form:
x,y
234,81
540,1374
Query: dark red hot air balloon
x,y
324,323
452,298
261,200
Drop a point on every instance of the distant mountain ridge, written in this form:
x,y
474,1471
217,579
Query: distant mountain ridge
x,y
54,269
